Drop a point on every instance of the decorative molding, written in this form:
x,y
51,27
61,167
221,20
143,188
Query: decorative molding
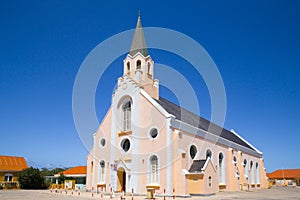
x,y
153,186
122,133
169,157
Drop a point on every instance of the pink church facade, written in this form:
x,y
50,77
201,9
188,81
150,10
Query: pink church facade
x,y
146,141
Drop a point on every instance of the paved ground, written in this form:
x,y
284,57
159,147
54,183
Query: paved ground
x,y
267,194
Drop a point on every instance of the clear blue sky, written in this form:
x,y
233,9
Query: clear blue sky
x,y
255,45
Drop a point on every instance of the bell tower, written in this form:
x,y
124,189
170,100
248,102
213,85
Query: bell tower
x,y
138,65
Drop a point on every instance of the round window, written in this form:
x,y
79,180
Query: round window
x,y
193,151
153,133
102,164
102,142
125,144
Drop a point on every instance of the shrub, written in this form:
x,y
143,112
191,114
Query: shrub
x,y
9,186
31,178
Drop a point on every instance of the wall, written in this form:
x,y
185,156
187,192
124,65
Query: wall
x,y
151,118
14,179
235,178
196,183
99,152
210,172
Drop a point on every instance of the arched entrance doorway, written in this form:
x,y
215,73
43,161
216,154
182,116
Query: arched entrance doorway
x,y
121,179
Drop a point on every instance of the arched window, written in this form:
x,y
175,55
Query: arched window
x,y
128,67
193,151
92,167
138,64
257,174
101,171
208,154
8,177
148,71
154,169
245,168
252,181
234,160
127,116
221,170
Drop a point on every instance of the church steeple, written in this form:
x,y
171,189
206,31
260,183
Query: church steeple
x,y
138,42
138,64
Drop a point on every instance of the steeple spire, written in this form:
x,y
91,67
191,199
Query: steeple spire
x,y
138,64
138,42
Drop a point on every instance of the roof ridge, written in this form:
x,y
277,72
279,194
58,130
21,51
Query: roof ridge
x,y
12,156
286,170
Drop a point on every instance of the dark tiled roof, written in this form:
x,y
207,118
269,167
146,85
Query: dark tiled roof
x,y
199,122
197,166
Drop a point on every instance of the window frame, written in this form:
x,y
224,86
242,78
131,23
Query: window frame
x,y
122,143
138,65
196,151
221,168
126,116
157,134
101,171
153,169
211,154
101,142
8,177
128,66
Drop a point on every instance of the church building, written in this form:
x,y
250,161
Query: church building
x,y
147,142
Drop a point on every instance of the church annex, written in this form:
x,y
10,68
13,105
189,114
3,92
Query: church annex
x,y
146,141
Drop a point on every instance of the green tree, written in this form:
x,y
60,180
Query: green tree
x,y
51,172
45,172
56,171
61,179
31,178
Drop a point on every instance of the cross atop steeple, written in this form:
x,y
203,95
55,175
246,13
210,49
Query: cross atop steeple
x,y
138,42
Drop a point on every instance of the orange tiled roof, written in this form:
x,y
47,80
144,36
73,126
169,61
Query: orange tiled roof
x,y
12,163
284,173
75,170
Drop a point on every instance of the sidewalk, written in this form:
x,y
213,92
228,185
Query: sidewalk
x,y
274,193
267,194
